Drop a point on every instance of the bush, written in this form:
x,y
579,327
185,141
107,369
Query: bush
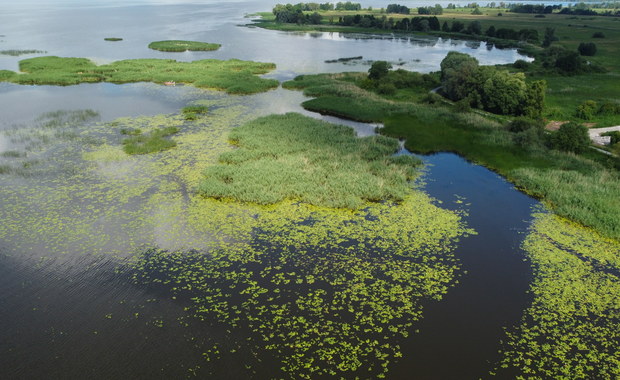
x,y
379,69
598,35
609,109
586,110
530,139
522,124
386,89
587,48
521,64
463,105
432,98
571,137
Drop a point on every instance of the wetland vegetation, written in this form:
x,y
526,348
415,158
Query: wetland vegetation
x,y
233,76
181,46
298,158
287,247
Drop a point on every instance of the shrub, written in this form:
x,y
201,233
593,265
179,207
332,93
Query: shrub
x,y
432,98
571,137
529,139
379,69
587,110
587,48
598,35
609,109
463,105
386,89
521,64
522,124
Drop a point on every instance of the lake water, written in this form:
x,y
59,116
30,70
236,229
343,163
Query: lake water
x,y
51,307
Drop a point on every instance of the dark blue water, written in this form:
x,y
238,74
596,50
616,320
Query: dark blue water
x,y
459,336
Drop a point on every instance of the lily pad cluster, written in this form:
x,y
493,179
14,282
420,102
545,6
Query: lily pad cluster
x,y
572,329
315,288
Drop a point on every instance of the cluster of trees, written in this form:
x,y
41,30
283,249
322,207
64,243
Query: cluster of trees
x,y
475,28
490,88
421,24
386,82
436,10
348,6
294,14
397,8
529,35
557,58
530,8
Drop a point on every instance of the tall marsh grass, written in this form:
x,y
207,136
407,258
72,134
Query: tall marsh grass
x,y
181,46
291,156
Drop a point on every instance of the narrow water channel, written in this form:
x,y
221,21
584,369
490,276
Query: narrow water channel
x,y
459,336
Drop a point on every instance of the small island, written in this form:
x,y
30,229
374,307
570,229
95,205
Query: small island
x,y
179,46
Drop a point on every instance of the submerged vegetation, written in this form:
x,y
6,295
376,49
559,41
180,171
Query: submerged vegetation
x,y
233,76
296,157
181,46
572,328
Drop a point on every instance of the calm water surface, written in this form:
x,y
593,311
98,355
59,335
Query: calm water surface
x,y
51,310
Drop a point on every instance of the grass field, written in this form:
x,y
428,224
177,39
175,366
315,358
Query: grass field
x,y
233,76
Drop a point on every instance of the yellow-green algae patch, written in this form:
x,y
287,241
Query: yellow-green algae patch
x,y
233,76
572,329
320,290
326,292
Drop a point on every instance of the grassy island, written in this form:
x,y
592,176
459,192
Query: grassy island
x,y
181,46
233,76
300,158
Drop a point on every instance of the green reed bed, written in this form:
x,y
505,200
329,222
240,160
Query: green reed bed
x,y
194,111
17,52
233,76
181,46
154,141
338,95
113,39
295,157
